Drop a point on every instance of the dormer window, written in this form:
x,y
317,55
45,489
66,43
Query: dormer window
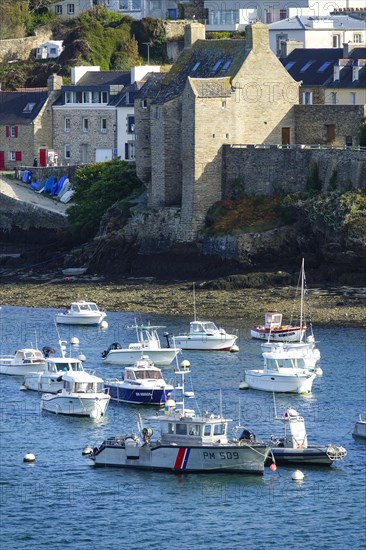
x,y
306,66
216,66
196,66
28,108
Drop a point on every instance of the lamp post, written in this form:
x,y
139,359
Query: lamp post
x,y
148,44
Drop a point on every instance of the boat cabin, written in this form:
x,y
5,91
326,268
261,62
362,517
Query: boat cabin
x,y
283,361
272,319
65,365
83,307
142,373
184,427
206,327
82,382
29,356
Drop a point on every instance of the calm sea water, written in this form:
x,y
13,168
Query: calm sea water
x,y
62,502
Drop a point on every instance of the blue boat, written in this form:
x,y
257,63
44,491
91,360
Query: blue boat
x,y
142,383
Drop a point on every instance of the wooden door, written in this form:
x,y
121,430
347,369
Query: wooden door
x,y
2,160
331,134
286,134
42,157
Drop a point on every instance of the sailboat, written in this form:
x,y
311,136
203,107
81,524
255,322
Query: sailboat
x,y
205,335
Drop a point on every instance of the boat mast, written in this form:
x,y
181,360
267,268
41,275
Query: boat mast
x,y
302,298
194,302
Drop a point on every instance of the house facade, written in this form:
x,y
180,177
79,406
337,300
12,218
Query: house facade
x,y
159,9
70,8
26,125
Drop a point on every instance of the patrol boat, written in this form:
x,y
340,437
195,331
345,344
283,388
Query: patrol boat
x,y
188,442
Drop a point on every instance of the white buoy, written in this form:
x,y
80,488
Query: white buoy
x,y
319,371
29,457
298,475
185,364
234,349
243,385
74,341
104,324
82,357
88,450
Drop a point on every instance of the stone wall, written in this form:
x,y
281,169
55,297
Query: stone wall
x,y
21,48
265,171
42,173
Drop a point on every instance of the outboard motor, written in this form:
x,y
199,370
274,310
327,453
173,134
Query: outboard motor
x,y
167,336
46,350
115,345
247,435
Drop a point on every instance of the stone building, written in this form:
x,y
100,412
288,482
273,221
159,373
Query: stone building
x,y
218,92
26,125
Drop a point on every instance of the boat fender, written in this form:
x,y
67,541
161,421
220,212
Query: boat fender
x,y
300,447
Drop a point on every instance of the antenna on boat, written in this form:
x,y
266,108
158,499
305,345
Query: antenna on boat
x,y
194,302
302,298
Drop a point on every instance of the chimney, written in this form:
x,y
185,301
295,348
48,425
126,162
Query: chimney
x,y
257,37
192,33
54,82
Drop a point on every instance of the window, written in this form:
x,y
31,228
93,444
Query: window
x,y
216,66
15,155
196,66
157,112
103,125
306,66
67,125
87,97
53,51
11,155
357,39
283,14
67,151
307,98
130,124
58,9
227,64
181,429
207,429
68,97
144,103
130,150
349,141
353,98
70,9
324,66
289,65
268,17
223,104
336,40
85,125
28,108
333,98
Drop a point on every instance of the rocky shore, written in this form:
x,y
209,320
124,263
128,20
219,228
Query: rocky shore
x,y
342,306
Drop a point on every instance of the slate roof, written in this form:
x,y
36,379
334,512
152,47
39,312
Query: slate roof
x,y
13,103
103,78
340,23
207,59
315,67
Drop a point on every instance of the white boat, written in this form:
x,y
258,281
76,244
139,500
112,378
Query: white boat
x,y
205,335
274,331
359,431
142,383
23,361
293,446
187,442
81,313
283,371
51,380
308,350
148,343
82,394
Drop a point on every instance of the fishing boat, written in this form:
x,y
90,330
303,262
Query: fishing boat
x,y
293,446
274,330
187,442
359,431
82,394
23,361
81,313
205,335
148,343
142,383
283,371
51,379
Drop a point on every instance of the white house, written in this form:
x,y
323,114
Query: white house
x,y
159,9
317,32
231,15
50,49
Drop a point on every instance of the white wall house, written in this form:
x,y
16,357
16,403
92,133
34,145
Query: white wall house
x,y
317,32
159,9
70,8
49,50
234,15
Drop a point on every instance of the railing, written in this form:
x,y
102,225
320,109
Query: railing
x,y
300,146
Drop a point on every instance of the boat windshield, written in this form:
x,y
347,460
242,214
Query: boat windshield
x,y
65,367
144,374
209,327
85,307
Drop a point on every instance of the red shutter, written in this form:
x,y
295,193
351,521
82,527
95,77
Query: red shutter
x,y
18,155
15,131
7,132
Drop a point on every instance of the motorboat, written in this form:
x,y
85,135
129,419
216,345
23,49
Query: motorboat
x,y
82,394
359,431
293,446
81,313
205,335
51,380
187,442
142,383
283,371
148,343
308,350
274,330
23,361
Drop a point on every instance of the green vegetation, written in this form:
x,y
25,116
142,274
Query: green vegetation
x,y
98,186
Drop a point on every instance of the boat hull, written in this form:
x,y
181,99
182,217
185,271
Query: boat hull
x,y
136,396
319,456
21,369
293,334
91,406
205,342
44,384
275,382
86,320
229,459
162,356
359,431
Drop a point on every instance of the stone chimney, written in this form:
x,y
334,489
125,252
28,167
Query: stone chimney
x,y
54,82
193,32
257,37
288,46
